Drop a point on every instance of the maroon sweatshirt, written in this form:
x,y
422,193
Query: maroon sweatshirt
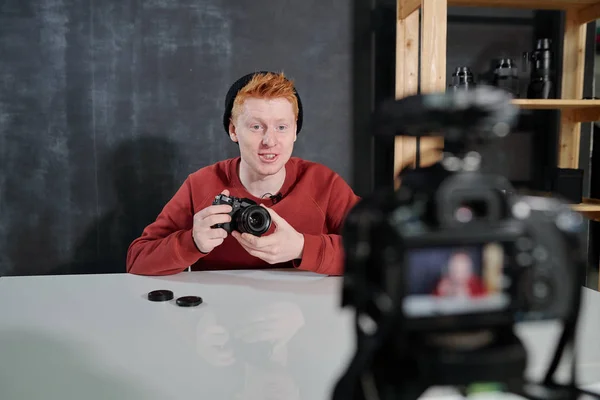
x,y
314,200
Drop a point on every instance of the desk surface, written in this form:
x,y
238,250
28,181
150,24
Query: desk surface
x,y
258,335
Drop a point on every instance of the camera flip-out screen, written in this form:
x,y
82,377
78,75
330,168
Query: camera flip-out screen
x,y
450,280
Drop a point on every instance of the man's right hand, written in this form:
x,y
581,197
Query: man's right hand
x,y
205,237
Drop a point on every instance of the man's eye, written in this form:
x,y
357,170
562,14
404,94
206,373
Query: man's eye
x,y
282,127
256,127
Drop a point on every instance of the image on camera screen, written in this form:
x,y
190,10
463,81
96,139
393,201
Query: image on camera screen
x,y
455,280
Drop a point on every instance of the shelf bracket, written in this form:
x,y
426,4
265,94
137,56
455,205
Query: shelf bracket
x,y
588,13
407,7
587,114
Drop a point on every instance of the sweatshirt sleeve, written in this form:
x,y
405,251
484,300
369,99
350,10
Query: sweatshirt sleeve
x,y
324,253
166,246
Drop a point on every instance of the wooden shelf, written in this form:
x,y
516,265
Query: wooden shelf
x,y
530,4
421,32
558,104
583,10
588,205
590,208
421,51
579,110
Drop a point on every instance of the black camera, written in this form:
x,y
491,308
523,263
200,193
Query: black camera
x,y
246,216
467,255
440,270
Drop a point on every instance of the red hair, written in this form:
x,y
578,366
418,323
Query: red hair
x,y
266,86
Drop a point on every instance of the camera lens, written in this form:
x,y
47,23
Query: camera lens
x,y
254,220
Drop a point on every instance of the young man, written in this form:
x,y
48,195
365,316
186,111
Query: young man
x,y
307,201
460,279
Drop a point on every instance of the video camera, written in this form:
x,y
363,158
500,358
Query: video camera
x,y
440,270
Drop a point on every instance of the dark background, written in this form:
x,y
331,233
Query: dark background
x,y
106,107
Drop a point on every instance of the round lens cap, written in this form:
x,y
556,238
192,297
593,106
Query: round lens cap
x,y
189,301
160,295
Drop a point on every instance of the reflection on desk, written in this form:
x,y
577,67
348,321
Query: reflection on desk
x,y
258,335
256,343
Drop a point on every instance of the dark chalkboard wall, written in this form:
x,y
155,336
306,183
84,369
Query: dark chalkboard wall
x,y
106,106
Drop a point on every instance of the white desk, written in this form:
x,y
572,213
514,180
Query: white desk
x,y
256,334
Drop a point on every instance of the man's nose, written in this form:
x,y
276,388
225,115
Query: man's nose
x,y
269,138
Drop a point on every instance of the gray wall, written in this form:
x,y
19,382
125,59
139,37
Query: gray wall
x,y
106,106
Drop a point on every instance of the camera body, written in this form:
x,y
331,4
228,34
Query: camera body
x,y
246,216
459,251
454,248
517,257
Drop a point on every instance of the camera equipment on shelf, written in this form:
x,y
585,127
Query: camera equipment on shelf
x,y
462,79
506,76
439,271
541,85
246,216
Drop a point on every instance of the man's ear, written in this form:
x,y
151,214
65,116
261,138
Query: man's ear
x,y
232,133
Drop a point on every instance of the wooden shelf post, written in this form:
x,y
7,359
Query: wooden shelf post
x,y
572,88
407,75
432,51
434,33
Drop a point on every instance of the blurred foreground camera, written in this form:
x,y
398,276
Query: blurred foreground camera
x,y
440,270
246,216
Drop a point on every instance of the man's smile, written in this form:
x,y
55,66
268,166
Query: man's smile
x,y
268,157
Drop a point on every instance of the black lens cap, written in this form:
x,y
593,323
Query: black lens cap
x,y
189,301
160,295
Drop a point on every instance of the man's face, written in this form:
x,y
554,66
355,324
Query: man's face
x,y
266,132
460,268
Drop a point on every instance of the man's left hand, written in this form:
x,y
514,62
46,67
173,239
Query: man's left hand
x,y
283,245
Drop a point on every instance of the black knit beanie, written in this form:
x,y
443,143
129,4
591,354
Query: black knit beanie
x,y
237,86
